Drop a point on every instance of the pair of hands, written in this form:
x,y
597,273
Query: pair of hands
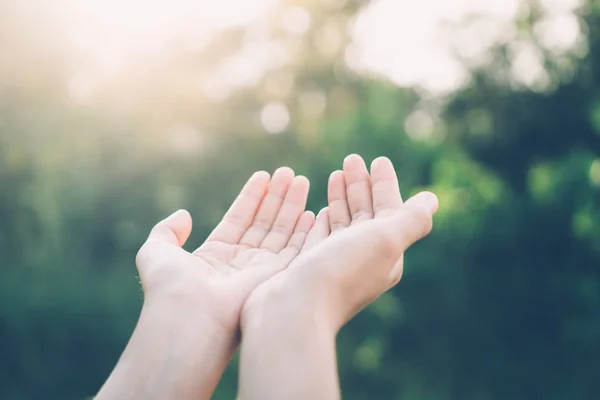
x,y
270,257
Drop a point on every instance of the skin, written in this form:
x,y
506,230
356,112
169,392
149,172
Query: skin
x,y
189,324
353,254
194,303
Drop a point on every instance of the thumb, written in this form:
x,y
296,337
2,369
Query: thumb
x,y
175,229
426,200
414,219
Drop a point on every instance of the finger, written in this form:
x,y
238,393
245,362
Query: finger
x,y
175,229
269,208
339,213
319,231
297,240
358,189
426,200
414,220
240,215
292,208
390,237
385,188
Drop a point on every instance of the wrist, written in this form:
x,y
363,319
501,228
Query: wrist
x,y
288,346
189,332
183,321
282,307
174,352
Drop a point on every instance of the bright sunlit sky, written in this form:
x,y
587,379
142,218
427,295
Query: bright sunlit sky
x,y
402,40
110,29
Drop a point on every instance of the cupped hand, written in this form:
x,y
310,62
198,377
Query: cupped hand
x,y
354,252
262,232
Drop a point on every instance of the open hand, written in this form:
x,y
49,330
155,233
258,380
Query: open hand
x,y
354,252
262,232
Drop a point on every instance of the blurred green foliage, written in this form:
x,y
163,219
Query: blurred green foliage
x,y
502,301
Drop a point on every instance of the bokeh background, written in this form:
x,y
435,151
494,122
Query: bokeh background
x,y
115,113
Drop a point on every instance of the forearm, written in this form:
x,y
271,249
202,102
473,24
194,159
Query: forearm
x,y
172,353
288,354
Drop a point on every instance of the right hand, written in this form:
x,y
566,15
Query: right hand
x,y
354,252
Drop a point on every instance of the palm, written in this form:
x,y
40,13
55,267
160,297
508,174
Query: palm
x,y
261,233
265,227
356,196
223,260
358,232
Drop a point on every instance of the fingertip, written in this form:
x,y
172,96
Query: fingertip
x,y
305,222
353,158
431,201
380,163
437,205
302,181
182,226
308,215
261,175
182,215
297,192
337,184
319,230
322,212
284,172
354,163
175,229
337,174
426,200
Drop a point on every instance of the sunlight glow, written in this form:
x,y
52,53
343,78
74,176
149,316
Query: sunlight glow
x,y
430,44
419,125
296,20
558,32
417,43
185,139
403,39
110,30
275,117
527,67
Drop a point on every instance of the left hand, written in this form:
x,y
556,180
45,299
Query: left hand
x,y
187,331
263,231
